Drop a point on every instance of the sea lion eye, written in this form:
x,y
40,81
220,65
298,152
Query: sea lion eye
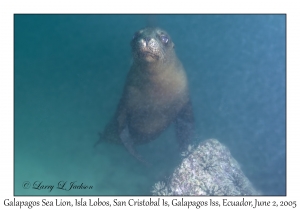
x,y
164,39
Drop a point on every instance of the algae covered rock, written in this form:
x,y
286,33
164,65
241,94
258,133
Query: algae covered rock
x,y
206,169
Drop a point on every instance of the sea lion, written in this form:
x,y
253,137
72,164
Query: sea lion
x,y
155,94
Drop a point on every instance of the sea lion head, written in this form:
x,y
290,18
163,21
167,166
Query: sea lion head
x,y
151,45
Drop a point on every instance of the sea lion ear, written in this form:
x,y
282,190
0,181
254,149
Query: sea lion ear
x,y
173,45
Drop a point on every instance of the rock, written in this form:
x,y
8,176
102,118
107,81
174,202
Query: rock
x,y
207,169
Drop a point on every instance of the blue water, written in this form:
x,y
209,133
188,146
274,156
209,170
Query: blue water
x,y
69,71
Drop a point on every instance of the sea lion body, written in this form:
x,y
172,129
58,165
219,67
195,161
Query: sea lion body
x,y
155,94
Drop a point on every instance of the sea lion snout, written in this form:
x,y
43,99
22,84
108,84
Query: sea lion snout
x,y
147,43
150,44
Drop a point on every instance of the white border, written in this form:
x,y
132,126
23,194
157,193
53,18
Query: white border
x,y
8,8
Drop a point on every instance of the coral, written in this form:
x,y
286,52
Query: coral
x,y
208,169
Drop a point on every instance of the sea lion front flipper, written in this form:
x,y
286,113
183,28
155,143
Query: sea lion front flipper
x,y
184,125
128,143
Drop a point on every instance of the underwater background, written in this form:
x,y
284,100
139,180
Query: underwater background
x,y
69,72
